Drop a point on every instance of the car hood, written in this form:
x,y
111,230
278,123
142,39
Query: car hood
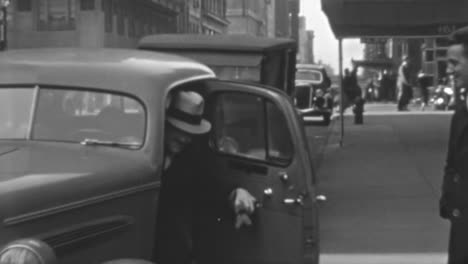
x,y
39,175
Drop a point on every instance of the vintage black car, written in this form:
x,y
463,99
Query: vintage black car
x,y
81,157
312,93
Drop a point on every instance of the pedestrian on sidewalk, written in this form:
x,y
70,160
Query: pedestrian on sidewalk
x,y
424,82
454,198
351,87
405,91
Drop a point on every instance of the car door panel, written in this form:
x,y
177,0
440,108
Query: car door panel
x,y
264,241
276,235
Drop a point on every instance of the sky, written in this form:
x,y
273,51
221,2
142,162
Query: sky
x,y
325,43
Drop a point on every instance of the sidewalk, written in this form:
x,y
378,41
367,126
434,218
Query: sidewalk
x,y
318,137
382,194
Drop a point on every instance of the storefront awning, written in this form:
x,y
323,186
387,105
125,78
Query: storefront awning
x,y
395,18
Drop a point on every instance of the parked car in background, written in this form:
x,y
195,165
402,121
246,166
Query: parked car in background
x,y
81,158
312,95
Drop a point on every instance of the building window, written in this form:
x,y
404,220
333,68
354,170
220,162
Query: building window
x,y
131,20
139,23
429,55
442,42
220,8
87,5
108,15
56,15
119,9
441,53
24,5
131,27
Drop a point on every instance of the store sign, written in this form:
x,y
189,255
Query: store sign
x,y
433,30
446,29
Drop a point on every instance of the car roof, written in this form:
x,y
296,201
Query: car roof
x,y
231,42
120,70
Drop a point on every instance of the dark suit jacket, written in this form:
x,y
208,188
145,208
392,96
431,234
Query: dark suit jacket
x,y
188,191
454,200
455,182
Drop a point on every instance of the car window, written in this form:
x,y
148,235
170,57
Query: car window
x,y
249,126
310,75
15,112
75,115
279,137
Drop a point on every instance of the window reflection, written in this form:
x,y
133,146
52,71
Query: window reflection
x,y
15,112
240,125
249,126
73,116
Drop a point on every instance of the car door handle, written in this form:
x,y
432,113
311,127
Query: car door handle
x,y
297,201
321,198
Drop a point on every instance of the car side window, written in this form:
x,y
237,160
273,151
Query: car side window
x,y
250,126
279,137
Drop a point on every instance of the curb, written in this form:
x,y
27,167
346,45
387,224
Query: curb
x,y
321,153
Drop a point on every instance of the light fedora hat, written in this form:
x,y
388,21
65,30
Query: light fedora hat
x,y
185,113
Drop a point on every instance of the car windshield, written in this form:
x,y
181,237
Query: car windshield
x,y
71,116
311,75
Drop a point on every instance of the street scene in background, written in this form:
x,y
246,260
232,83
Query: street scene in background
x,y
233,131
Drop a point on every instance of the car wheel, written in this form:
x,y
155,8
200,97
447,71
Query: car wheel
x,y
326,119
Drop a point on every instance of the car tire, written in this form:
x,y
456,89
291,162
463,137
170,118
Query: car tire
x,y
326,120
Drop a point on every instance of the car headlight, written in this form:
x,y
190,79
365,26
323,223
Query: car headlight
x,y
439,101
448,91
27,251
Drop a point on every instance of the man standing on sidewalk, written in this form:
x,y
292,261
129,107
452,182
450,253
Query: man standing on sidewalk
x,y
454,199
405,91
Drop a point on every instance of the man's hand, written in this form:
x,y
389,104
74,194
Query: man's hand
x,y
244,205
241,220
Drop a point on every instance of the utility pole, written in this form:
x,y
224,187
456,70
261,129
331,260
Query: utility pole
x,y
340,67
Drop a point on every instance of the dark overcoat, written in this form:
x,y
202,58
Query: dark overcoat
x,y
189,192
454,199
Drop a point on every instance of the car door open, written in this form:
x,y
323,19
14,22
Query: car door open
x,y
254,146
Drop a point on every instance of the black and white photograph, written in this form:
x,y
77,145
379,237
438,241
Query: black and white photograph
x,y
233,132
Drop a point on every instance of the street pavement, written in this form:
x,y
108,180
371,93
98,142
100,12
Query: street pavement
x,y
382,187
318,136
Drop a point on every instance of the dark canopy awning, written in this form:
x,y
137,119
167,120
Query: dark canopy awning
x,y
392,18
